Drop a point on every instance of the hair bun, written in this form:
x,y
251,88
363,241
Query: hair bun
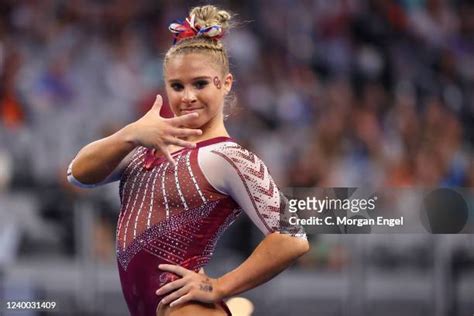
x,y
209,15
206,21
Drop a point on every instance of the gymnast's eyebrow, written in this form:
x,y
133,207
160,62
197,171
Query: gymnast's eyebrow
x,y
193,79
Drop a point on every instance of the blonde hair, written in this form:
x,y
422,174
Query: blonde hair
x,y
205,16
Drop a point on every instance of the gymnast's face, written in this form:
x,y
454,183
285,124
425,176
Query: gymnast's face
x,y
195,84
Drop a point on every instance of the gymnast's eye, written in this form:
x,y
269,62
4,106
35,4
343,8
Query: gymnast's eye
x,y
176,86
201,84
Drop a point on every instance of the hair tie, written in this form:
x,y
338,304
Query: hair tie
x,y
188,28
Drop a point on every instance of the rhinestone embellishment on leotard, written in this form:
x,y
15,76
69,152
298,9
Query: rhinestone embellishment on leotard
x,y
187,222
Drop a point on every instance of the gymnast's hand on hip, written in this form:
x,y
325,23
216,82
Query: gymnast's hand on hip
x,y
191,286
154,131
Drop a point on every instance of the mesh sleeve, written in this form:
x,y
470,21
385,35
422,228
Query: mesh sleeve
x,y
235,171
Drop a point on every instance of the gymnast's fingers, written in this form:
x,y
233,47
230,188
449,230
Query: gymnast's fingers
x,y
176,295
183,299
171,287
184,132
180,142
158,104
175,269
167,154
183,119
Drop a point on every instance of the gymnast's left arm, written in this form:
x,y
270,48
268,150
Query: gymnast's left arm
x,y
247,179
273,255
242,175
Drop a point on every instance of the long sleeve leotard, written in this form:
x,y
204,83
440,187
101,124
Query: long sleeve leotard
x,y
176,214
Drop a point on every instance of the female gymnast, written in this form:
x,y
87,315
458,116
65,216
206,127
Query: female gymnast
x,y
183,181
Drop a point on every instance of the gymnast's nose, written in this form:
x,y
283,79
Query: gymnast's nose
x,y
188,96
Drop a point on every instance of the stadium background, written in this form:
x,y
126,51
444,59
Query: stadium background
x,y
362,93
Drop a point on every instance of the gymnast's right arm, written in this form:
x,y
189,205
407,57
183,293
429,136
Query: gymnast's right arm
x,y
96,161
101,161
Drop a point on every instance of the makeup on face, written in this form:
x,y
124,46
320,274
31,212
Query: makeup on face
x,y
194,84
217,82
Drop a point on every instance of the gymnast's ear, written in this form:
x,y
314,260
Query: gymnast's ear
x,y
228,80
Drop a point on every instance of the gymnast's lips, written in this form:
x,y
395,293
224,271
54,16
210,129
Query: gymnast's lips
x,y
191,110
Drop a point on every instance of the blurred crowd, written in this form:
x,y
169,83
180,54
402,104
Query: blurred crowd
x,y
330,93
340,93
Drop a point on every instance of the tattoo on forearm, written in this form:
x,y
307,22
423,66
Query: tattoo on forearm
x,y
206,286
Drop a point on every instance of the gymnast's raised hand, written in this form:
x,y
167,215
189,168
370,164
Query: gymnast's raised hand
x,y
98,162
154,131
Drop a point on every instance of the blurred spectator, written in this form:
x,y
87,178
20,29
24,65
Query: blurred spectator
x,y
362,93
12,108
342,93
330,73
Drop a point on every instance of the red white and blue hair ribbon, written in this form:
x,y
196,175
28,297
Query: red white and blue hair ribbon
x,y
188,28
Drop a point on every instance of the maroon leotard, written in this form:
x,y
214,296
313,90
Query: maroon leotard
x,y
176,214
